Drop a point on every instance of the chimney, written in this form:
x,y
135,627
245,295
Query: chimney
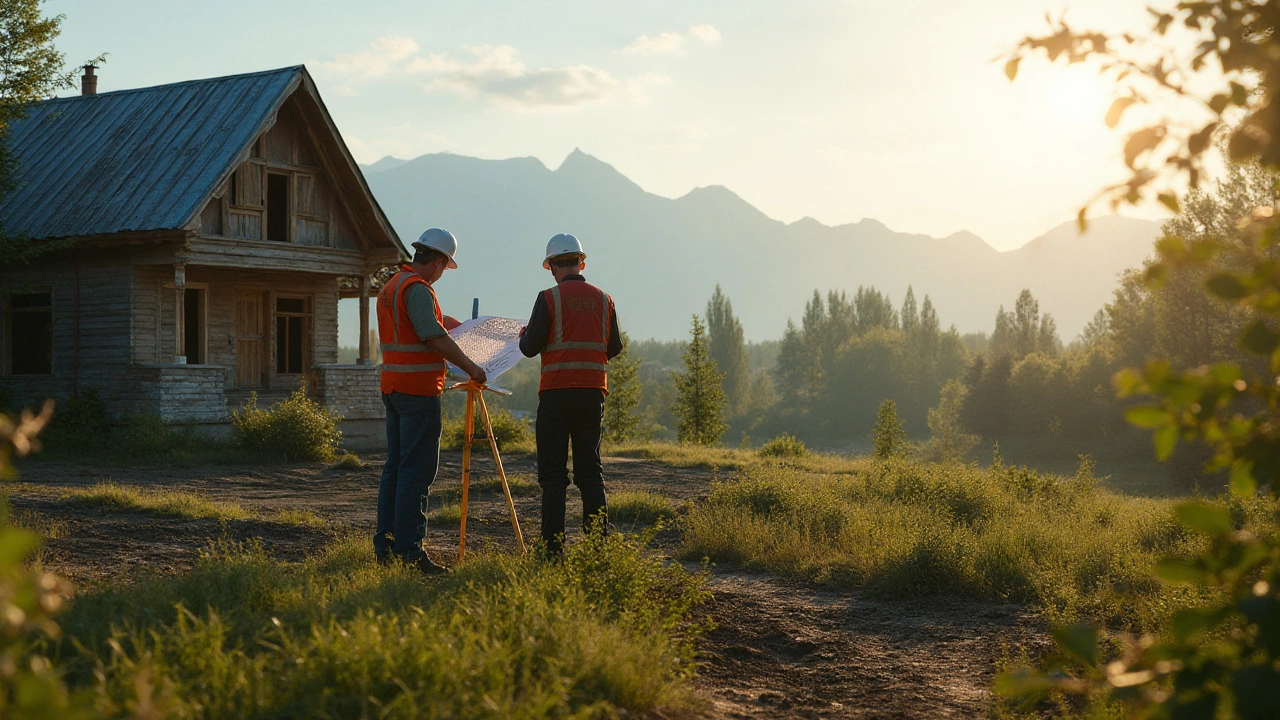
x,y
89,81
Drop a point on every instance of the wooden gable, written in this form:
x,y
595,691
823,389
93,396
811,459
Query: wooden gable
x,y
284,192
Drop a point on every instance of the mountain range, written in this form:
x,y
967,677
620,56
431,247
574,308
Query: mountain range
x,y
661,258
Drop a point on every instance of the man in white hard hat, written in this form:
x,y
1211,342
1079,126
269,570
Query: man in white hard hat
x,y
415,345
575,328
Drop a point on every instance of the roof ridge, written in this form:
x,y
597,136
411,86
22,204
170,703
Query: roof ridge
x,y
126,91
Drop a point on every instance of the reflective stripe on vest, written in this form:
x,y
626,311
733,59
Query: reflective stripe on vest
x,y
407,367
576,355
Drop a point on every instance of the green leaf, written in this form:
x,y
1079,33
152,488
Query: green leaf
x,y
1147,416
1142,141
1259,339
1117,110
1079,641
1011,69
1243,483
1169,201
1023,683
1165,440
1227,286
1200,140
1187,624
1181,571
1203,517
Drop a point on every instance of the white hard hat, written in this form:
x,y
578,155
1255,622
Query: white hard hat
x,y
562,244
440,241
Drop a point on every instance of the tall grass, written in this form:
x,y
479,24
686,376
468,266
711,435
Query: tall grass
x,y
163,503
903,528
246,636
639,506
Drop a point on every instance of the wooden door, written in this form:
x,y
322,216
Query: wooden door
x,y
251,345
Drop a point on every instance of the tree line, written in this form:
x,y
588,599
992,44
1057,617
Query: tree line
x,y
826,379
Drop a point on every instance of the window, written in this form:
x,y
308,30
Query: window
x,y
293,318
277,207
29,334
193,326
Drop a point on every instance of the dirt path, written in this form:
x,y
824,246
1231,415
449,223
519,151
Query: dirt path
x,y
780,649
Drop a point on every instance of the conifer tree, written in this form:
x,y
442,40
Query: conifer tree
x,y
728,350
699,406
890,439
621,422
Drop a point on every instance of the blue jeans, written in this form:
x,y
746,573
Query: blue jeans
x,y
413,456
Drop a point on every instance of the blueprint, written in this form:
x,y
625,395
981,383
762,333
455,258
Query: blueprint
x,y
493,343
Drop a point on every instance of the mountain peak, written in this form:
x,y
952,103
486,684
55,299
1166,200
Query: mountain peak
x,y
581,167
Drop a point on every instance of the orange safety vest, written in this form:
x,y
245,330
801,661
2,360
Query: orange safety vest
x,y
407,365
576,352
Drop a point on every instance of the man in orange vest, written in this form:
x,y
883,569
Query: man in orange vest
x,y
575,328
415,345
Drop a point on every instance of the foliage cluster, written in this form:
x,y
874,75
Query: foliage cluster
x,y
30,687
243,635
849,355
82,431
1221,657
160,502
297,427
785,445
906,528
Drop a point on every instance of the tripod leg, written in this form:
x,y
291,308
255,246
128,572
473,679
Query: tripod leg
x,y
468,434
502,474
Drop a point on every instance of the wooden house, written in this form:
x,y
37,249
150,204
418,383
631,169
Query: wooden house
x,y
202,233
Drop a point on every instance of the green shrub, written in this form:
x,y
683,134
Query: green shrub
x,y
606,633
639,507
348,461
512,433
785,445
297,427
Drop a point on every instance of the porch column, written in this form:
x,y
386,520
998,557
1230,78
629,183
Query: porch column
x,y
364,320
179,313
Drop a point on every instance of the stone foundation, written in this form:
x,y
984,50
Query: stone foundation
x,y
352,391
179,393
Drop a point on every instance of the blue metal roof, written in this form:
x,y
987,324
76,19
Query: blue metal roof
x,y
133,160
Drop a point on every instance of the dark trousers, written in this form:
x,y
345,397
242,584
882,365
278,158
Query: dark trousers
x,y
413,456
564,415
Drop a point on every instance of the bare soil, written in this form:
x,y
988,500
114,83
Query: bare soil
x,y
781,648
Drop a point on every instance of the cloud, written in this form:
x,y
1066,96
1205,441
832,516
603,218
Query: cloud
x,y
497,74
672,42
385,55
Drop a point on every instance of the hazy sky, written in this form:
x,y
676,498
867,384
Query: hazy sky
x,y
889,109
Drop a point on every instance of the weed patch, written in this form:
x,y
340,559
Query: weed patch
x,y
639,507
243,635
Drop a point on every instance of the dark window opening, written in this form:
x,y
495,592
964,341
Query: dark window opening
x,y
30,334
233,190
192,322
291,335
277,207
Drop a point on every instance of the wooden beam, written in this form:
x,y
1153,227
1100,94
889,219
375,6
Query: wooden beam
x,y
364,320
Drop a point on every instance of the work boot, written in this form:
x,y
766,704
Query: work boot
x,y
428,566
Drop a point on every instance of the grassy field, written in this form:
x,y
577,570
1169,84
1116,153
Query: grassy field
x,y
246,636
1063,544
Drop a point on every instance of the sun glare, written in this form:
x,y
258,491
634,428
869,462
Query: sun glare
x,y
1077,95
